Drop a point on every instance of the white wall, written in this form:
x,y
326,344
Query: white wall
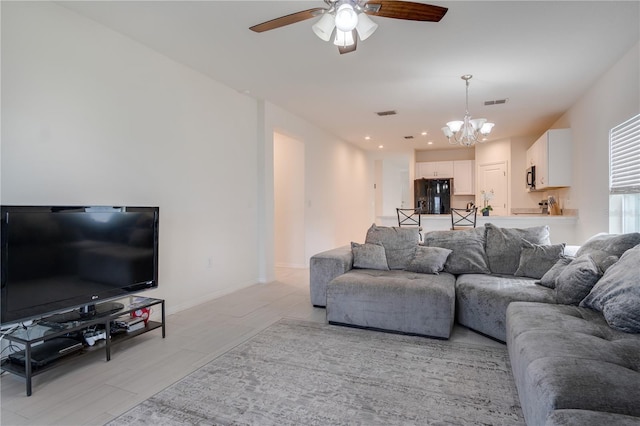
x,y
520,198
338,184
450,154
92,117
614,98
289,196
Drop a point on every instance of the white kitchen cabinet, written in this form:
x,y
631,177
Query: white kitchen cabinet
x,y
533,155
551,154
464,177
434,170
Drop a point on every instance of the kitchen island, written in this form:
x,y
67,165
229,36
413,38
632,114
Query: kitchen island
x,y
562,228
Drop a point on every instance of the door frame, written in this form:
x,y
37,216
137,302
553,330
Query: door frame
x,y
479,181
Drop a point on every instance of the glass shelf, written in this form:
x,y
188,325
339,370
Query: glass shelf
x,y
48,328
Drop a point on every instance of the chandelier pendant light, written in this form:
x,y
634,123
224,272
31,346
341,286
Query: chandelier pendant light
x,y
468,131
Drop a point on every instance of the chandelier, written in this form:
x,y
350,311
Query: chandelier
x,y
467,132
345,16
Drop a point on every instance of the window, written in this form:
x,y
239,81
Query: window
x,y
624,177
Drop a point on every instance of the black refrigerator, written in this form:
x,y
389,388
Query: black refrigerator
x,y
432,196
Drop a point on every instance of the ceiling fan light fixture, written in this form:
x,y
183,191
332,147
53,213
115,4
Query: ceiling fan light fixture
x,y
346,18
351,16
324,27
365,26
344,39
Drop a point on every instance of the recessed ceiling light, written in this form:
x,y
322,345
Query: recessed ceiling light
x,y
380,146
367,138
424,133
430,143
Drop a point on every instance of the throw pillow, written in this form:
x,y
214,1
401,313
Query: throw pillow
x,y
428,260
399,243
576,280
549,278
467,248
536,260
369,256
504,246
617,294
607,262
601,246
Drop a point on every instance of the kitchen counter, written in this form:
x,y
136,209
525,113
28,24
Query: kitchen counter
x,y
562,228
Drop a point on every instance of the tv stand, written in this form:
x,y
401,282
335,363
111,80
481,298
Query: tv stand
x,y
50,328
87,312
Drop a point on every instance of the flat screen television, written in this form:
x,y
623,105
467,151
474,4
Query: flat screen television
x,y
58,258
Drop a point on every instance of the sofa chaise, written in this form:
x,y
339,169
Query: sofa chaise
x,y
469,274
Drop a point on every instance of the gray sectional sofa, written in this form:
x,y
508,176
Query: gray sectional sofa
x,y
570,315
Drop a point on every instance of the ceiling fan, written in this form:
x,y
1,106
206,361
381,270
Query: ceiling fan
x,y
350,21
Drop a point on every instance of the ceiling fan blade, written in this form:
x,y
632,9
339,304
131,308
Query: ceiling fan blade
x,y
288,19
405,10
351,48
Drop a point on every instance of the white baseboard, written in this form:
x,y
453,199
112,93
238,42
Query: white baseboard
x,y
291,265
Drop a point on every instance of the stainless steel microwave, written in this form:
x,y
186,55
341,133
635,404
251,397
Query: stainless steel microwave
x,y
531,178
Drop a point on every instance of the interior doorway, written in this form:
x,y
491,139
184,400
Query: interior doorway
x,y
289,195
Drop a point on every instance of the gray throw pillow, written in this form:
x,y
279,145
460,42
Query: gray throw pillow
x,y
576,280
428,260
536,260
467,248
399,243
369,256
549,278
505,244
617,294
601,246
607,262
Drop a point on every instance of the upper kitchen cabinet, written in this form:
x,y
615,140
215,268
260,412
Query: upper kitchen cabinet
x,y
533,154
464,177
434,170
551,155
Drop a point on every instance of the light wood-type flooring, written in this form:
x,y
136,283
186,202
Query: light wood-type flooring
x,y
92,391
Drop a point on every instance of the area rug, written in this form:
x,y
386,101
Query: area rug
x,y
303,373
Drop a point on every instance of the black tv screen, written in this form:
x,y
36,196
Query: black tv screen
x,y
57,258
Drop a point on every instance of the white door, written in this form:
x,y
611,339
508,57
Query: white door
x,y
492,178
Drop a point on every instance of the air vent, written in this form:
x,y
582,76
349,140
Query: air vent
x,y
384,113
496,102
408,137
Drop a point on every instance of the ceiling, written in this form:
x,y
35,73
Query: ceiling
x,y
540,55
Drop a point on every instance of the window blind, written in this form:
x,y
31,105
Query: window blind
x,y
624,157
